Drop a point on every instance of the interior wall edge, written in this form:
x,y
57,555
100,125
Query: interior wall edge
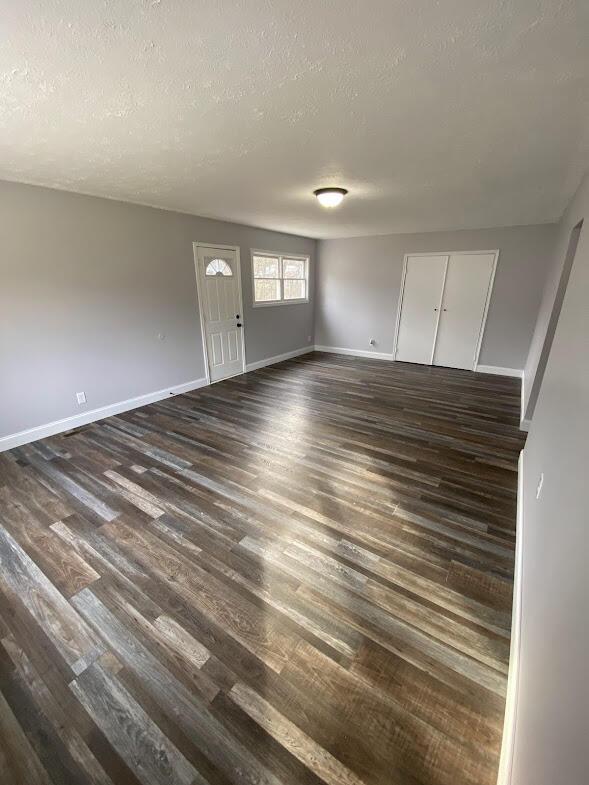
x,y
553,695
524,422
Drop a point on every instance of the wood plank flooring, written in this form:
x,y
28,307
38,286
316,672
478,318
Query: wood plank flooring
x,y
301,575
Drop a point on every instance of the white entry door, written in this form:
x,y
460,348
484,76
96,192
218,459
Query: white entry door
x,y
443,307
219,284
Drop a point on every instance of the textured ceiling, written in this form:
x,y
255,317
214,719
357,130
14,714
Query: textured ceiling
x,y
448,114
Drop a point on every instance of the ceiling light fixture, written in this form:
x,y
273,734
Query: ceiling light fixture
x,y
330,197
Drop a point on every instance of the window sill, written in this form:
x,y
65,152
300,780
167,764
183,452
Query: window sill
x,y
273,303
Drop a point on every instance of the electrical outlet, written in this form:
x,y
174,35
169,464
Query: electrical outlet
x,y
540,485
81,398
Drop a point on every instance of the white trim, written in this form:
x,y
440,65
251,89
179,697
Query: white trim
x,y
280,256
272,303
399,306
236,249
274,254
524,424
68,423
355,352
510,720
451,253
201,244
278,358
494,369
201,313
499,371
483,325
439,309
486,308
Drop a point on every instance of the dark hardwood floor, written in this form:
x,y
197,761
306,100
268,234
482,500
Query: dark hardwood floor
x,y
300,575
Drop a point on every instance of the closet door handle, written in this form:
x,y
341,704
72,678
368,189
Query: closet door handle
x,y
435,309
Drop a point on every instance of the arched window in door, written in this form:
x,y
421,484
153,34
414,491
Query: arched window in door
x,y
218,267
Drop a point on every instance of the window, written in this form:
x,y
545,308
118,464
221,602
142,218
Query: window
x,y
280,278
218,267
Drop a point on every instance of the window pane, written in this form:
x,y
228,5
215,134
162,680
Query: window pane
x,y
266,291
218,267
294,290
293,268
266,267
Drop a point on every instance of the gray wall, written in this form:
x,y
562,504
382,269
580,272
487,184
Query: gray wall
x,y
358,282
553,706
86,285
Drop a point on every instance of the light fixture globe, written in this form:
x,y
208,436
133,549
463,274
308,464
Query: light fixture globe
x,y
330,197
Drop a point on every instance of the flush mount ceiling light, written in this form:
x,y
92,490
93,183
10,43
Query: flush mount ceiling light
x,y
330,197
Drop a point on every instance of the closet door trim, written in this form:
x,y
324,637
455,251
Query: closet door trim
x,y
400,305
431,359
447,254
487,303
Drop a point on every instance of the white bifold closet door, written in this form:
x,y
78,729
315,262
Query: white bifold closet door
x,y
463,308
443,308
422,297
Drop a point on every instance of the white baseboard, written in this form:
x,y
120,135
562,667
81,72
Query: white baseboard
x,y
499,371
510,719
278,358
495,369
68,423
355,352
77,420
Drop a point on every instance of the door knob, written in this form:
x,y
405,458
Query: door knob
x,y
239,324
237,316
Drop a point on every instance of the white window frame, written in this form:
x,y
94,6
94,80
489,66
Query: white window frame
x,y
280,256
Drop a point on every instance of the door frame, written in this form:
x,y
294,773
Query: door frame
x,y
448,254
199,294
